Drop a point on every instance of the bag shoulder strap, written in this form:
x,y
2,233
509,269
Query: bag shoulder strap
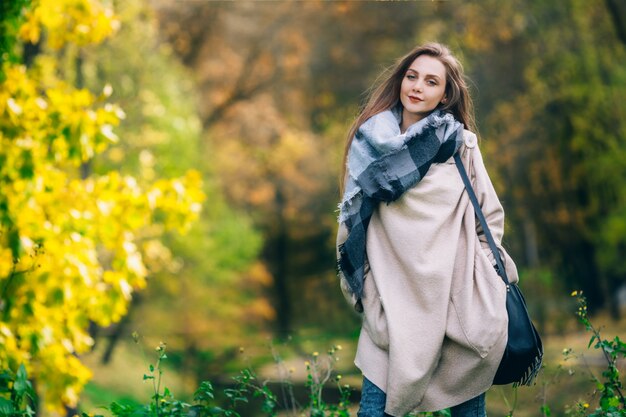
x,y
481,218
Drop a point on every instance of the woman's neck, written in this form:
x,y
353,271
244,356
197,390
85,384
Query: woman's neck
x,y
408,119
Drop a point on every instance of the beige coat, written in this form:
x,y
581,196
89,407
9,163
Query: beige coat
x,y
434,320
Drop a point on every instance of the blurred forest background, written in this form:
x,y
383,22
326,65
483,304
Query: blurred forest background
x,y
243,107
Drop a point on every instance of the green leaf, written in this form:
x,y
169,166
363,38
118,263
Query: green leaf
x,y
22,385
27,169
6,378
6,407
31,413
593,337
204,392
14,243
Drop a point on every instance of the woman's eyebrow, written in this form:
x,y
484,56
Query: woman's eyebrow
x,y
433,76
426,76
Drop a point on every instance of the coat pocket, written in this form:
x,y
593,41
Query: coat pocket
x,y
374,318
477,315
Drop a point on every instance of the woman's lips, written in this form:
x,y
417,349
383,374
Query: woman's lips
x,y
415,99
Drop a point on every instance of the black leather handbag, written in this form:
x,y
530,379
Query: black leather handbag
x,y
523,354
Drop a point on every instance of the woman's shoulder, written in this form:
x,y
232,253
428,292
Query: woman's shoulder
x,y
470,140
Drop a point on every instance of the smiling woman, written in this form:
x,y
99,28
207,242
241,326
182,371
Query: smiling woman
x,y
418,267
423,89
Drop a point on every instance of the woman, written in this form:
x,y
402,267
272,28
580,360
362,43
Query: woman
x,y
411,255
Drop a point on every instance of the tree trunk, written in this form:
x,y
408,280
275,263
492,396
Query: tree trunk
x,y
530,243
30,51
279,258
617,10
119,331
612,287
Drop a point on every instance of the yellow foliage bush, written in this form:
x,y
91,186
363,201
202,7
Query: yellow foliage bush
x,y
81,22
71,247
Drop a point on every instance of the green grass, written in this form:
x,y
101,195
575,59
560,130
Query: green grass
x,y
561,384
96,396
122,379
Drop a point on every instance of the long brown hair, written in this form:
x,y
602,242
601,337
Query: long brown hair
x,y
385,93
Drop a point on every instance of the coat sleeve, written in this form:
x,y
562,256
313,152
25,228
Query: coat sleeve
x,y
494,214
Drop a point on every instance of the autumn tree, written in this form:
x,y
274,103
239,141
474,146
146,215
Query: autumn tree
x,y
267,69
73,248
216,259
278,90
548,82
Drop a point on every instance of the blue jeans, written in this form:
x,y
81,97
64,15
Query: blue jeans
x,y
373,404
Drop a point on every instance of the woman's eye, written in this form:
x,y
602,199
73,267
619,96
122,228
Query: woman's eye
x,y
431,82
410,76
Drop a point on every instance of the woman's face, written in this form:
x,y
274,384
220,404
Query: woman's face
x,y
423,88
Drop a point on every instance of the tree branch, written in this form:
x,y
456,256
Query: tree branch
x,y
241,90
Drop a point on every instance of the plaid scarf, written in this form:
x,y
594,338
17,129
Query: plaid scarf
x,y
382,164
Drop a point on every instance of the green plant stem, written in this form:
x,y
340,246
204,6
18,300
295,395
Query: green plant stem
x,y
544,388
156,386
506,401
286,388
610,361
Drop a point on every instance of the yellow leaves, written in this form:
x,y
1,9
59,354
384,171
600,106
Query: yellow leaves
x,y
13,107
158,257
258,273
81,22
6,262
64,375
134,264
177,202
90,263
64,123
254,170
261,308
30,31
71,249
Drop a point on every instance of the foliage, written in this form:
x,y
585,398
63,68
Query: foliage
x,y
275,100
319,373
609,386
80,22
246,388
163,402
286,88
258,97
13,15
606,388
442,413
217,258
555,128
20,393
72,246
